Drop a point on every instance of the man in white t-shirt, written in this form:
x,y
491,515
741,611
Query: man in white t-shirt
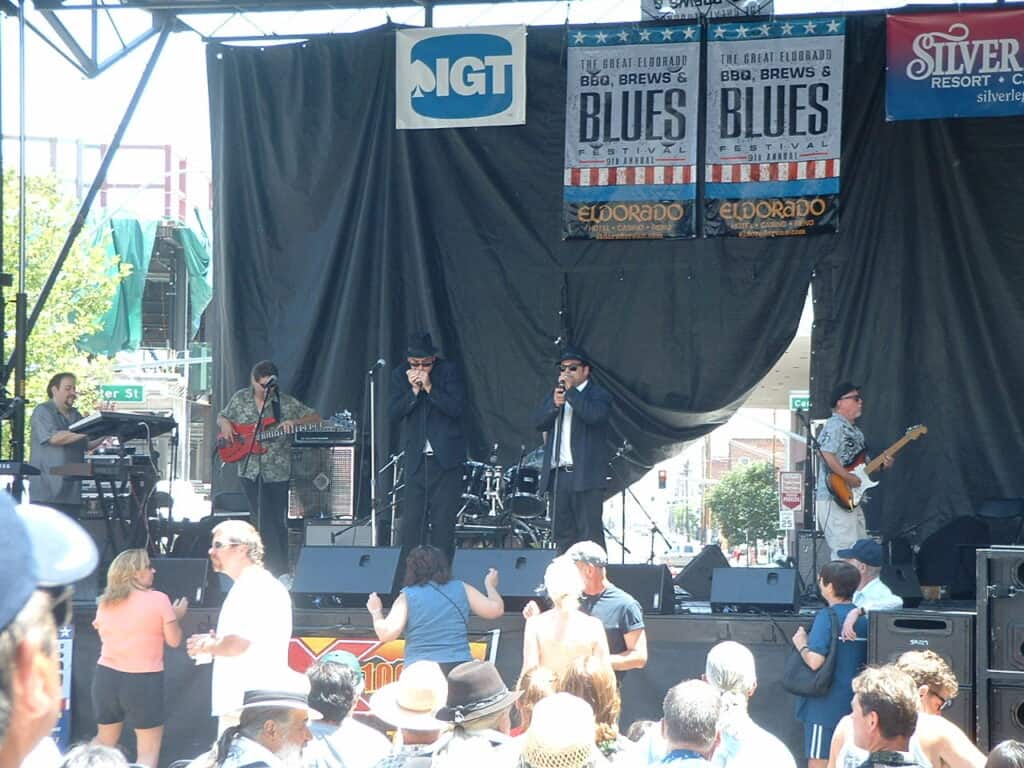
x,y
255,624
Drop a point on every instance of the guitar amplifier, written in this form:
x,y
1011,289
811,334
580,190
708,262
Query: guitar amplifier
x,y
323,483
338,430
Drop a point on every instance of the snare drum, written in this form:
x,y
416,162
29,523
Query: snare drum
x,y
474,481
523,496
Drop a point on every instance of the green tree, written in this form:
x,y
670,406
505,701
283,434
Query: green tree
x,y
745,502
684,520
82,293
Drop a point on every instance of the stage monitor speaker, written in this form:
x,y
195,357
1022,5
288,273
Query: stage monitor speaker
x,y
329,533
323,483
950,634
1000,630
520,571
901,579
347,574
961,712
695,578
755,589
182,577
808,563
651,585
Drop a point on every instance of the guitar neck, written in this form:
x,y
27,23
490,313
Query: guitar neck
x,y
270,434
892,450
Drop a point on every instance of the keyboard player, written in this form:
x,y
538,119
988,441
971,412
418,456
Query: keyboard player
x,y
54,445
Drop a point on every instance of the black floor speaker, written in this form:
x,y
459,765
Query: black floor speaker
x,y
346,574
755,589
902,580
185,577
812,553
1000,630
520,571
337,534
950,634
695,578
1001,710
651,585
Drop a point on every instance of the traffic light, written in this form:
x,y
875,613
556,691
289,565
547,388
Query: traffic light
x,y
662,479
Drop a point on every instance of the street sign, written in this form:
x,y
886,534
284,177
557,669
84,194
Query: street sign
x,y
791,498
799,401
121,393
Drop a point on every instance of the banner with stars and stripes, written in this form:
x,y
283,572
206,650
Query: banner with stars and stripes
x,y
631,132
773,128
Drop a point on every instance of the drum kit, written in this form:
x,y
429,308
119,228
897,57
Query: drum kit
x,y
503,506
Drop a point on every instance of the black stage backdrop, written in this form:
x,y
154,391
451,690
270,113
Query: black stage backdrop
x,y
337,235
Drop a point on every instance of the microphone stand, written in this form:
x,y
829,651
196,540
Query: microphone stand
x,y
372,373
393,462
811,590
556,454
259,478
620,453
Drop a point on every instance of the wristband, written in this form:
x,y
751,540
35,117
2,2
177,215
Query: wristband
x,y
801,650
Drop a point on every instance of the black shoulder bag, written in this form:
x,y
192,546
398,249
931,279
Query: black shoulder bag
x,y
799,679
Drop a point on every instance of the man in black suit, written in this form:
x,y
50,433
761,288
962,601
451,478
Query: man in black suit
x,y
427,397
575,418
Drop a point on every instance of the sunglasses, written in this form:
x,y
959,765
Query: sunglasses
x,y
425,364
570,368
60,604
858,398
946,703
224,544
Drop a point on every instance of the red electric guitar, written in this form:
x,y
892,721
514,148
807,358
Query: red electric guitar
x,y
340,425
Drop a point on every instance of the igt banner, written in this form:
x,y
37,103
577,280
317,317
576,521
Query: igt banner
x,y
954,65
631,132
774,127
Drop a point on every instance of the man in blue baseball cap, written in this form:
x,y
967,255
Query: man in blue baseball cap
x,y
872,594
43,552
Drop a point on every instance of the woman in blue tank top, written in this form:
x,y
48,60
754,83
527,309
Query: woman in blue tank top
x,y
433,610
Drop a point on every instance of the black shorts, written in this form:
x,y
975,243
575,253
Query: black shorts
x,y
135,698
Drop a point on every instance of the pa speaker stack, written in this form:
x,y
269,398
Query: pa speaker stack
x,y
1000,645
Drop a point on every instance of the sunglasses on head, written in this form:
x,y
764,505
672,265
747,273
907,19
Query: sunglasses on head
x,y
570,368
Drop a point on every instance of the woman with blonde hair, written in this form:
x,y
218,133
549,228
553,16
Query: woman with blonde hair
x,y
536,683
593,680
554,638
133,622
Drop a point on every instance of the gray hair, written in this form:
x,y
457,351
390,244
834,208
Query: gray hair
x,y
94,756
691,712
34,622
242,533
730,669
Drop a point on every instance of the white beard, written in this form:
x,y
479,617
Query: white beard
x,y
290,756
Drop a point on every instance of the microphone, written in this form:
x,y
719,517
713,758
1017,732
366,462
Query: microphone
x,y
494,455
381,362
271,383
802,415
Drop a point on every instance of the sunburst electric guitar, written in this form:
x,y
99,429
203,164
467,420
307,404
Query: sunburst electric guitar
x,y
851,497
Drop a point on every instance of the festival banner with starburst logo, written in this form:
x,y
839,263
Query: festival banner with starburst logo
x,y
773,128
631,132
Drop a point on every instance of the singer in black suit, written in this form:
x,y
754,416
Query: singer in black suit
x,y
576,451
428,397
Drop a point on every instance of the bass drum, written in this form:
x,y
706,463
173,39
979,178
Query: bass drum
x,y
474,481
523,497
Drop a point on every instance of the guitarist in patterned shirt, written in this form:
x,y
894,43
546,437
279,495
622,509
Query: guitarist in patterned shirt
x,y
840,441
265,476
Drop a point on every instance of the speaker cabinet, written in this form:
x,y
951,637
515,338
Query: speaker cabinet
x,y
755,589
345,574
323,483
651,585
331,533
949,634
695,578
1000,633
520,571
902,580
1000,710
183,577
961,712
812,552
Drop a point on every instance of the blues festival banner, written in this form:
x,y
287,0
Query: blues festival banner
x,y
631,132
466,77
954,65
774,127
381,663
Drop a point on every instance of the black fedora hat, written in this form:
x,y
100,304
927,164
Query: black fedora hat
x,y
475,690
570,352
420,345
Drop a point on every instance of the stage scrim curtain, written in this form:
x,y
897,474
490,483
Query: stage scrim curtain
x,y
337,235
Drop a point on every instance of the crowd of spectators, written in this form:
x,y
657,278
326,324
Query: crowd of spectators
x,y
444,710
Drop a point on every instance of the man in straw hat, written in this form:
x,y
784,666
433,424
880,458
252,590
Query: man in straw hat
x,y
410,704
273,727
561,735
